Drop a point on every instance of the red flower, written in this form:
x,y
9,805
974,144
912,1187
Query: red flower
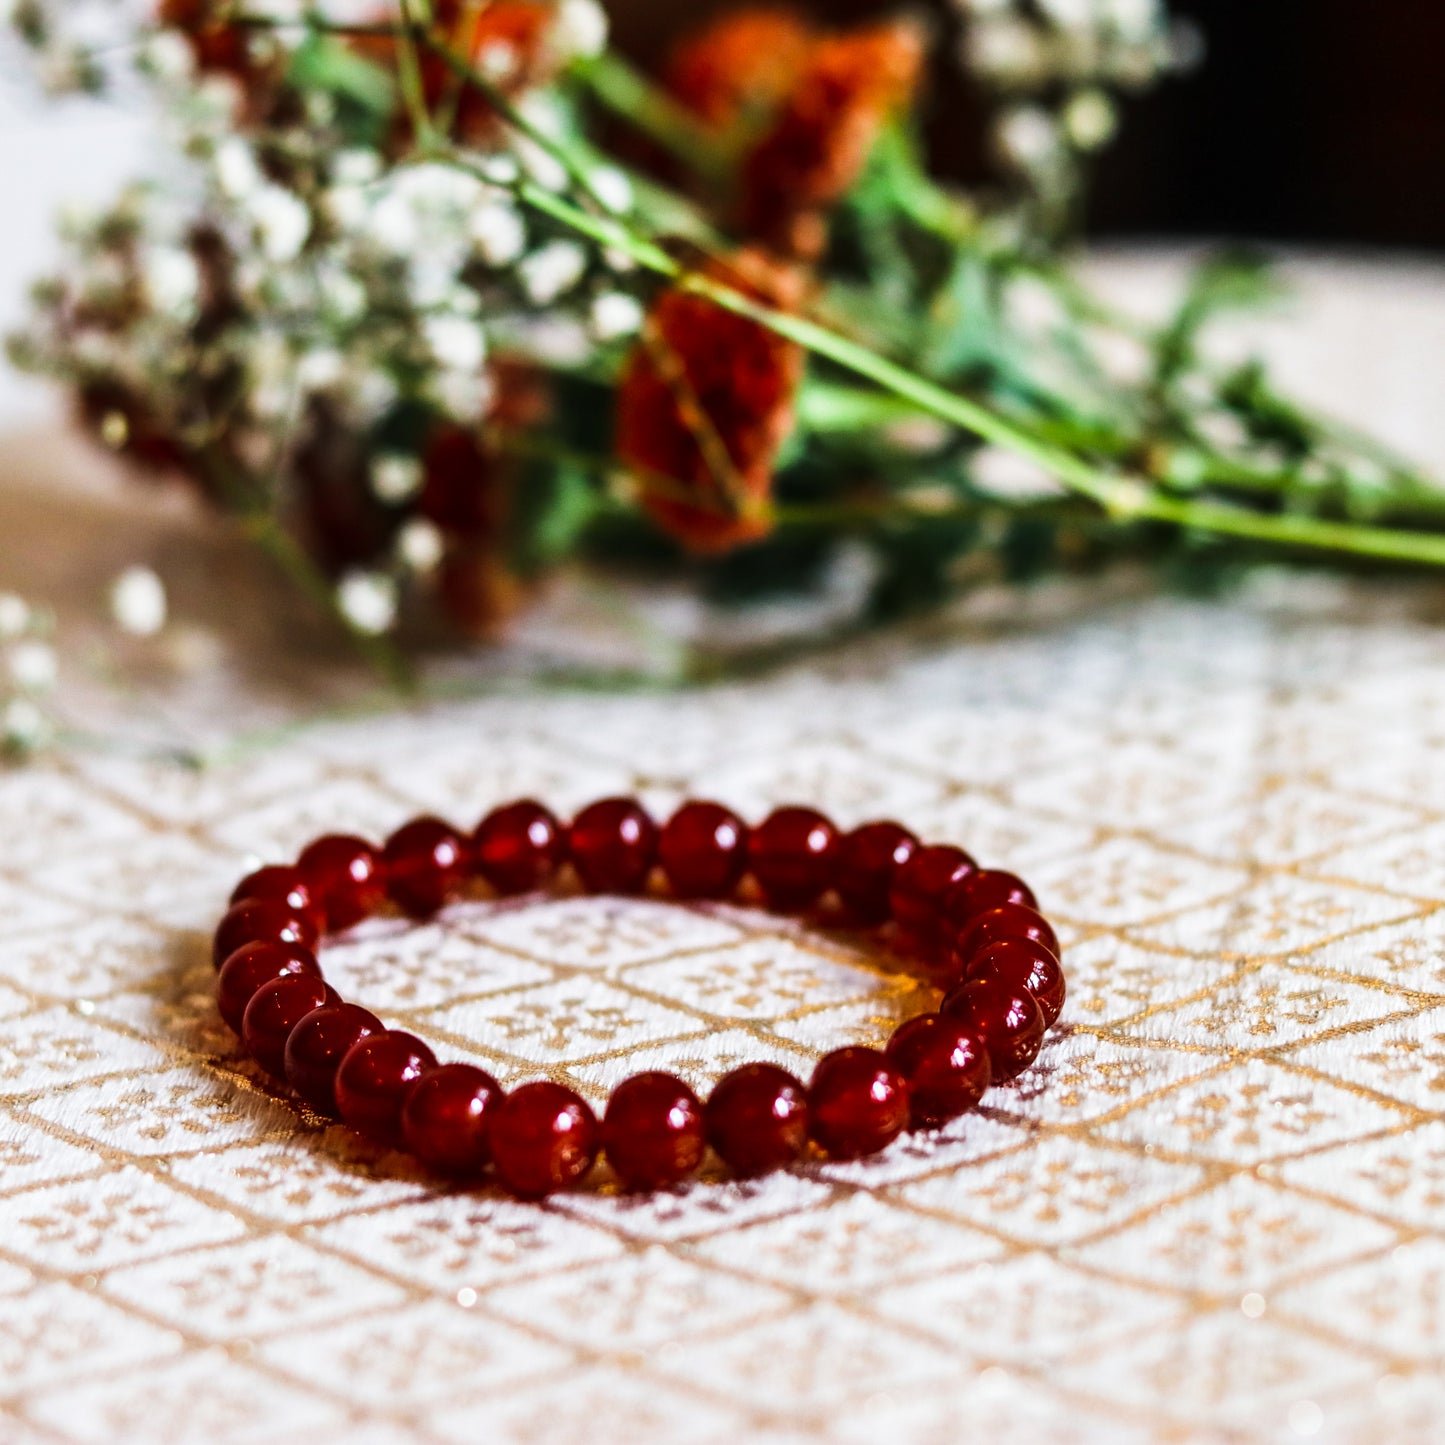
x,y
216,44
706,403
745,61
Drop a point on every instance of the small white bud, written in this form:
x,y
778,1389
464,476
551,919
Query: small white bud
x,y
612,188
282,222
138,602
395,478
33,666
368,601
1090,119
420,545
555,269
22,725
615,315
237,173
457,343
580,28
14,616
497,232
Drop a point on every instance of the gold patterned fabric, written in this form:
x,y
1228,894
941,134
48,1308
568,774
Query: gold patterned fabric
x,y
1211,1213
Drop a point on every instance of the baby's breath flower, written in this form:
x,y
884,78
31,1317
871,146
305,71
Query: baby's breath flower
x,y
554,269
419,545
395,478
15,616
138,602
498,233
614,315
368,601
33,667
580,28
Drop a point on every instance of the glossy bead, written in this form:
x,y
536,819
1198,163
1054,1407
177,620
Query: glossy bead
x,y
1022,963
613,845
373,1081
1012,920
653,1131
446,1118
857,1103
318,1044
703,850
947,1068
345,875
979,892
425,866
868,860
1007,1019
544,1137
250,966
261,920
275,1009
922,883
793,855
519,847
757,1119
280,883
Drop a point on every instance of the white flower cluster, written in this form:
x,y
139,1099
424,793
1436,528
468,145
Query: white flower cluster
x,y
28,672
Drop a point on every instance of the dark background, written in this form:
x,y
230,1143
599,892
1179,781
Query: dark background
x,y
1310,120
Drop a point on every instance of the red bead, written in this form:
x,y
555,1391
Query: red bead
x,y
920,885
425,865
1022,963
1012,920
261,920
280,884
275,1009
947,1067
613,845
544,1137
374,1078
250,966
868,859
793,855
345,876
857,1102
653,1131
1007,1019
979,892
317,1046
704,850
757,1119
519,847
446,1118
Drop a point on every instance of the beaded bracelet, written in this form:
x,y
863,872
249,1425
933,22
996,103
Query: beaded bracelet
x,y
975,932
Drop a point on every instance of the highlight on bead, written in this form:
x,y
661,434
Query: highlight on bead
x,y
974,933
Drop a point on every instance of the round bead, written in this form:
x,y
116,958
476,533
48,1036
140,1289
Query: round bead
x,y
345,876
613,845
1012,920
374,1078
261,920
857,1103
519,847
275,1009
1006,1019
544,1137
981,891
921,884
252,965
1022,963
757,1119
446,1118
868,859
425,865
653,1131
280,883
946,1066
793,856
703,850
318,1044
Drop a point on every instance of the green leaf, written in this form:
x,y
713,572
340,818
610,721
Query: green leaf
x,y
323,63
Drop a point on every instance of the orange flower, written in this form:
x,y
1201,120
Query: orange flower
x,y
745,61
706,404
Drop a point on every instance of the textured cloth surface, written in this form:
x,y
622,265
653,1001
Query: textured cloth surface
x,y
1212,1211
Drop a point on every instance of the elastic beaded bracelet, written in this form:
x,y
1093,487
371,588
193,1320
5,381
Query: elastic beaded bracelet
x,y
976,933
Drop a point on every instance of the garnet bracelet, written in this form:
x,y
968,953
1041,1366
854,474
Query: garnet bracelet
x,y
975,932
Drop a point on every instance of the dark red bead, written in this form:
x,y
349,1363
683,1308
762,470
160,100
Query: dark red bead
x,y
544,1137
345,876
986,889
947,1067
703,850
318,1044
613,845
261,920
1012,920
1007,1019
757,1119
1022,963
447,1116
275,1009
868,859
425,866
374,1079
857,1103
280,883
922,883
653,1131
250,966
793,855
519,847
